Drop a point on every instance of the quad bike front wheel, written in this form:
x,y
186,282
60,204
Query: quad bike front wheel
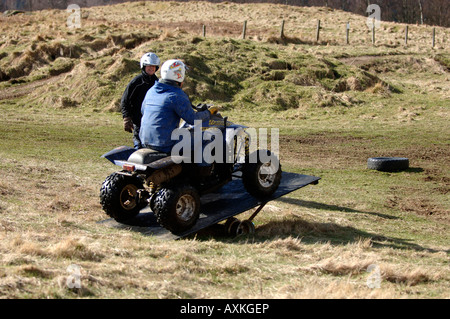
x,y
119,196
260,177
177,208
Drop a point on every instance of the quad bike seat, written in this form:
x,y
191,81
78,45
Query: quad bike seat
x,y
146,156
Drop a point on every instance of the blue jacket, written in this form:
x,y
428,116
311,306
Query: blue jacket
x,y
163,107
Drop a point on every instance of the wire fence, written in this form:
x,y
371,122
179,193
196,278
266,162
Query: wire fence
x,y
313,31
316,35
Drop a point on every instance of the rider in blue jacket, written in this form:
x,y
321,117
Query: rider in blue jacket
x,y
163,107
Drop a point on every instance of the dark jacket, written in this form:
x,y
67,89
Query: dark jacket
x,y
134,94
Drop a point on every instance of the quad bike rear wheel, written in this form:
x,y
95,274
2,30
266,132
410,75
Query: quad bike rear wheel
x,y
119,196
261,178
177,208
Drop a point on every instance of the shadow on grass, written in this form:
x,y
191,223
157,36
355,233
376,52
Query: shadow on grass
x,y
310,233
316,205
414,170
314,232
292,226
408,170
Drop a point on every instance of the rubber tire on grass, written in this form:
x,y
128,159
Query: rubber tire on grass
x,y
388,164
170,199
251,178
116,190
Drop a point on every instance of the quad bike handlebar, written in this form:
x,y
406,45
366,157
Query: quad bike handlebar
x,y
203,107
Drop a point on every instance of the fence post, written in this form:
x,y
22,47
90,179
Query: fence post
x,y
434,36
318,31
406,35
282,30
244,30
204,31
347,31
373,31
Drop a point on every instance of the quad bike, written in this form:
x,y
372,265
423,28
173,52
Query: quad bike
x,y
173,188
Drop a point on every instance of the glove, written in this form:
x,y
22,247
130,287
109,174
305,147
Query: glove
x,y
128,124
213,110
201,107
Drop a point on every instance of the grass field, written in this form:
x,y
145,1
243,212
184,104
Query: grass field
x,y
335,105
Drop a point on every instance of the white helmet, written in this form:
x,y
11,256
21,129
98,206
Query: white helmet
x,y
174,70
150,58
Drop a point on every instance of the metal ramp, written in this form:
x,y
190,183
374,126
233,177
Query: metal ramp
x,y
224,204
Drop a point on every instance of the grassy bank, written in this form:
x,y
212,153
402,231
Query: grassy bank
x,y
335,107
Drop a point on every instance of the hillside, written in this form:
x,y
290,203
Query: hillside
x,y
97,60
430,12
335,105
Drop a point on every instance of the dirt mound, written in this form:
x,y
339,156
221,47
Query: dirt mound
x,y
121,68
402,64
40,56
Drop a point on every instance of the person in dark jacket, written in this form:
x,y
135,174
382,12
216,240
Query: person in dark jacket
x,y
134,95
165,105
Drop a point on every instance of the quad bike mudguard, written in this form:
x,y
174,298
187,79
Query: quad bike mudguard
x,y
143,158
119,154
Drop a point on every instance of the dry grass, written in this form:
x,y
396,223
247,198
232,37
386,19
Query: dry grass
x,y
43,231
319,243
